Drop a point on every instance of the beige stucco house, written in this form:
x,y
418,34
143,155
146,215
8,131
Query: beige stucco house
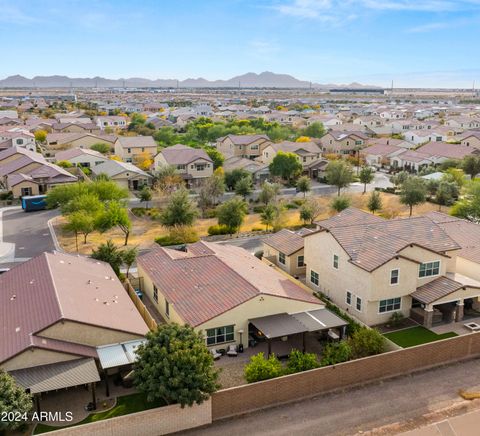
x,y
193,164
246,146
129,148
307,152
343,142
219,290
371,267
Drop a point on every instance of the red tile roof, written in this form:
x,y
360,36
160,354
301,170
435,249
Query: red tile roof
x,y
53,287
210,279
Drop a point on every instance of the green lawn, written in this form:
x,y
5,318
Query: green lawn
x,y
125,405
416,336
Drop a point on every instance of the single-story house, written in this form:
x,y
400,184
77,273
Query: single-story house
x,y
125,174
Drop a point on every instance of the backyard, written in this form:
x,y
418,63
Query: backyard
x,y
145,230
416,336
124,405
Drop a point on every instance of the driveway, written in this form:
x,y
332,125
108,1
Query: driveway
x,y
25,235
359,410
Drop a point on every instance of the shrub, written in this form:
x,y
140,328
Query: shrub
x,y
298,362
258,209
336,352
6,195
257,229
366,342
178,235
210,213
259,368
218,229
396,319
139,211
86,171
291,206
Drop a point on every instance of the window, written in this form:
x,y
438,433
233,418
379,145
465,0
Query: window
x,y
254,147
358,306
200,167
167,308
155,294
26,191
314,277
358,142
220,335
300,261
389,305
129,150
335,261
429,269
281,258
348,298
19,141
394,276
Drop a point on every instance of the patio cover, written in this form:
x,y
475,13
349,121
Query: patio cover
x,y
115,355
60,375
285,324
436,289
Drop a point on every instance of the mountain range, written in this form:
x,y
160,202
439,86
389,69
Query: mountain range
x,y
266,79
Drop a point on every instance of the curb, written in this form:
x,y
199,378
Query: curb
x,y
54,235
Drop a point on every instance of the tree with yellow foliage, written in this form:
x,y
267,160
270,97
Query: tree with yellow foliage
x,y
144,161
303,139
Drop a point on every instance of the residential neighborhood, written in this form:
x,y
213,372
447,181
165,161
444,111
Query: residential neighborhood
x,y
193,244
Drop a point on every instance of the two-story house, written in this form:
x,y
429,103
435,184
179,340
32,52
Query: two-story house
x,y
307,152
193,164
246,146
130,148
372,267
342,142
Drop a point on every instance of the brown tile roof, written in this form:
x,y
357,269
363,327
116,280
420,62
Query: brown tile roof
x,y
371,241
53,287
436,289
180,154
244,139
136,141
465,233
444,149
286,241
210,279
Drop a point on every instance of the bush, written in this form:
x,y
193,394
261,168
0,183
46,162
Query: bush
x,y
298,362
86,171
257,229
258,209
396,319
291,206
178,235
366,342
298,201
218,229
139,211
210,213
6,195
260,368
336,352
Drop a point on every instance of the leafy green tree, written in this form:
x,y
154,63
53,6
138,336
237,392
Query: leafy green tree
x,y
413,192
81,222
446,193
314,130
180,210
269,215
336,352
366,342
244,187
339,173
340,203
145,195
449,163
259,368
108,190
374,202
13,399
115,215
65,164
88,202
232,177
166,179
129,256
298,362
108,252
432,187
60,195
455,175
286,165
232,213
101,147
399,179
216,156
469,206
310,210
366,176
304,185
269,192
174,365
471,165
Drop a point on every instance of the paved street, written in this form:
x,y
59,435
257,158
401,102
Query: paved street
x,y
358,410
26,235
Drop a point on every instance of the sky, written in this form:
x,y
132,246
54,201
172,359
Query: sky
x,y
415,43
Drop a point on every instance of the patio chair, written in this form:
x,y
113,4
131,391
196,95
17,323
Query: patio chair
x,y
216,355
232,351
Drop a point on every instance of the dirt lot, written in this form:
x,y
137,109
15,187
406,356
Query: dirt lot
x,y
145,230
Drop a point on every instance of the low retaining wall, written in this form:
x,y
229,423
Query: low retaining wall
x,y
247,398
154,422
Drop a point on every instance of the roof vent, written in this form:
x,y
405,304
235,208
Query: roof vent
x,y
13,297
32,282
17,329
89,282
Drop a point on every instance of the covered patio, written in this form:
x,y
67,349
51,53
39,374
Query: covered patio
x,y
446,299
56,376
280,330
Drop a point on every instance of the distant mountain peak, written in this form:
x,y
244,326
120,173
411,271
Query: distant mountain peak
x,y
265,79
